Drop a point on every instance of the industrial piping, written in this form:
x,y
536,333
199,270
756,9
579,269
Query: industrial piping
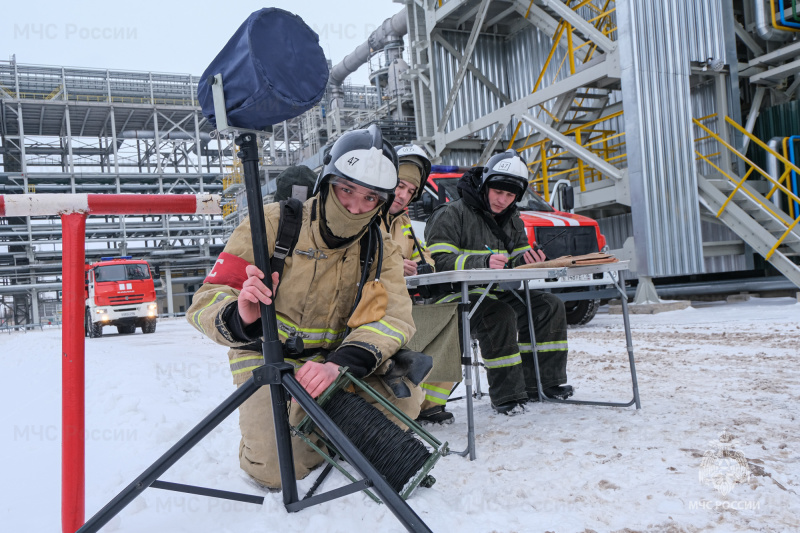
x,y
391,29
764,26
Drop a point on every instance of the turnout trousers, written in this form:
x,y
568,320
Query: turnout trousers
x,y
500,324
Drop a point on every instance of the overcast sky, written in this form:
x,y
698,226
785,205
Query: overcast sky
x,y
167,36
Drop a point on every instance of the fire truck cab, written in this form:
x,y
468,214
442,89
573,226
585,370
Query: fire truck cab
x,y
119,292
559,233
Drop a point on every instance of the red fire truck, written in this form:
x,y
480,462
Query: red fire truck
x,y
559,233
119,292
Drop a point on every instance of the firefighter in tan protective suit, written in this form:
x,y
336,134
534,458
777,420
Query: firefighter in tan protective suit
x,y
315,297
415,167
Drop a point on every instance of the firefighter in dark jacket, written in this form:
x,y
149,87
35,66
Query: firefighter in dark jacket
x,y
460,235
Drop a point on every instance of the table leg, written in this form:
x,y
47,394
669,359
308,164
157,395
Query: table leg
x,y
533,344
467,369
466,363
628,340
476,365
629,343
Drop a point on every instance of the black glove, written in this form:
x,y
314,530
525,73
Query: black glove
x,y
413,366
241,333
358,360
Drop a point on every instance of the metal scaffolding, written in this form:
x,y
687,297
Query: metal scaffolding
x,y
604,94
67,130
610,95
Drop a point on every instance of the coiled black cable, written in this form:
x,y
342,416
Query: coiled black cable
x,y
396,454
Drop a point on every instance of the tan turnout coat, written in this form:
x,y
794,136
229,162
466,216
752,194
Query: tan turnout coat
x,y
400,230
315,297
436,392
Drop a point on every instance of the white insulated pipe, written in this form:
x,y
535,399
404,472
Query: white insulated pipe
x,y
392,28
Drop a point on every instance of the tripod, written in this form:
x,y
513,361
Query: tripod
x,y
278,375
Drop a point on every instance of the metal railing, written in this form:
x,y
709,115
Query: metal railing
x,y
777,184
600,141
188,101
604,143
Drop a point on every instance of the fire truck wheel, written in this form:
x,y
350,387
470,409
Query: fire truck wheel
x,y
149,326
95,329
86,330
126,330
580,312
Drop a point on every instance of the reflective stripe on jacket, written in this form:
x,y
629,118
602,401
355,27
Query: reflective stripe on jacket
x,y
314,299
402,233
459,236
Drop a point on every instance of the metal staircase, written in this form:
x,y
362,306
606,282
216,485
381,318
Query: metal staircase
x,y
575,114
757,226
596,101
555,118
746,207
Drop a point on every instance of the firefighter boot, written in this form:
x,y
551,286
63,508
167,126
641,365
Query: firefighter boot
x,y
561,392
435,415
512,408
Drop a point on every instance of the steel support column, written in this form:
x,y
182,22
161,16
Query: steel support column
x,y
157,143
168,286
462,67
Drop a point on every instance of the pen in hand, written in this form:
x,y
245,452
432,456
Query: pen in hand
x,y
492,253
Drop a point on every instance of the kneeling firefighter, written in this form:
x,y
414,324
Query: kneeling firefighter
x,y
414,170
318,299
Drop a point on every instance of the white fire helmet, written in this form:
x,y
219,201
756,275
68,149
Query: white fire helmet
x,y
506,171
364,158
414,155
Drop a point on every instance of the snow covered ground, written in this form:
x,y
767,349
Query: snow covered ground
x,y
561,468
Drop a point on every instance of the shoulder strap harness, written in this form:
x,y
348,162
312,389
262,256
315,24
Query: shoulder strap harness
x,y
291,221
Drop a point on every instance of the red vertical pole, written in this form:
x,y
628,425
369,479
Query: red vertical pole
x,y
73,422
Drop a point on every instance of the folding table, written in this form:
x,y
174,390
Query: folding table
x,y
518,277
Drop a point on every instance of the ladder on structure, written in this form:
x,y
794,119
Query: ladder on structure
x,y
578,113
578,125
747,207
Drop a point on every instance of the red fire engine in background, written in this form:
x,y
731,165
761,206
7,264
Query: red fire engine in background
x,y
119,292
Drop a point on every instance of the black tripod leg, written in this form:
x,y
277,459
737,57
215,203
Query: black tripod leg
x,y
152,473
272,349
396,504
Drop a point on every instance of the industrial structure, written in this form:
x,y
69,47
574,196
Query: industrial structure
x,y
639,104
68,130
676,122
647,108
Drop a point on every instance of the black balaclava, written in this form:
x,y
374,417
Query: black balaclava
x,y
469,186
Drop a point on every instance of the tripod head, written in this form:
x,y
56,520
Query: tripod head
x,y
274,70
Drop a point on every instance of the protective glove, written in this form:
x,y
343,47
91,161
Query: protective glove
x,y
358,360
406,367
